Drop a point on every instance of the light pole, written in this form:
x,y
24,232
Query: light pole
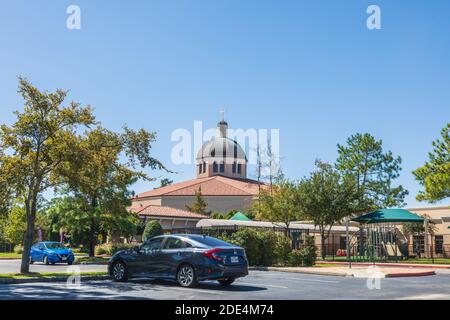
x,y
347,241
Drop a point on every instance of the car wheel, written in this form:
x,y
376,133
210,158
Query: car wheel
x,y
46,260
69,263
52,263
31,260
186,276
226,282
119,271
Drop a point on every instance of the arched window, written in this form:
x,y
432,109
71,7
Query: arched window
x,y
233,168
222,167
204,167
214,167
239,168
200,168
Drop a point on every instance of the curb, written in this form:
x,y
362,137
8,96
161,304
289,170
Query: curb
x,y
382,264
410,274
54,279
322,273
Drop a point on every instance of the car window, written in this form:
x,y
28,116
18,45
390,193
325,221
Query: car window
x,y
54,245
176,243
154,244
212,242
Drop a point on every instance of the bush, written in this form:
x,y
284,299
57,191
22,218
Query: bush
x,y
152,229
18,249
306,256
111,248
258,245
283,248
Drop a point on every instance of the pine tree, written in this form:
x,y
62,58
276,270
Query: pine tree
x,y
199,205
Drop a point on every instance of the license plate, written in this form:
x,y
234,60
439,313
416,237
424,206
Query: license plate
x,y
234,259
63,258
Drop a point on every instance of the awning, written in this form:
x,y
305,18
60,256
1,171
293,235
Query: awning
x,y
240,216
389,215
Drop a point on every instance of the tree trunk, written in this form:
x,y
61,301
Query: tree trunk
x,y
29,235
92,239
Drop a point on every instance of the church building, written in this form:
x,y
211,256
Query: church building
x,y
221,176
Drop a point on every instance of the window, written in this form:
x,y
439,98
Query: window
x,y
175,243
419,244
214,167
204,167
222,167
233,168
200,168
438,244
239,168
151,245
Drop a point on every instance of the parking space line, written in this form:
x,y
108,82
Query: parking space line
x,y
262,285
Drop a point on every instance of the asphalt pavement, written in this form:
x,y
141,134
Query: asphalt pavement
x,y
257,285
13,266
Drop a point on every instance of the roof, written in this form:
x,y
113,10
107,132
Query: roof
x,y
240,216
216,223
389,215
164,211
211,186
221,147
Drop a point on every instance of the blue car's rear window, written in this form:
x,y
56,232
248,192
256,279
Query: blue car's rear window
x,y
54,245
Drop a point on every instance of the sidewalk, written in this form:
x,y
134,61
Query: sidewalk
x,y
390,264
356,272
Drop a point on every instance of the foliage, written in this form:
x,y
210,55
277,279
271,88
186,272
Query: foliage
x,y
152,229
18,249
165,182
306,256
373,172
418,228
16,225
39,143
282,249
111,248
279,205
325,198
434,175
199,205
258,245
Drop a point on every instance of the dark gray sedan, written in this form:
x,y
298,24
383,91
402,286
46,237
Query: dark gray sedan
x,y
186,258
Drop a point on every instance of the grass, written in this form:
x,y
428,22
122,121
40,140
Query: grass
x,y
10,255
87,259
46,275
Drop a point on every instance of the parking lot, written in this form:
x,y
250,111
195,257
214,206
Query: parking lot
x,y
258,285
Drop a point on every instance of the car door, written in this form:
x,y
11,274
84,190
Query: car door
x,y
174,251
38,252
148,260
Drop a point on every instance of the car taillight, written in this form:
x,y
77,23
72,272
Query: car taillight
x,y
212,254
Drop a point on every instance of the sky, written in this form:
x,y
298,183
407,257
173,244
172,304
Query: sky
x,y
311,69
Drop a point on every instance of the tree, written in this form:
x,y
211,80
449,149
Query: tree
x,y
165,182
373,172
435,174
199,205
16,225
152,229
325,197
100,179
38,144
278,205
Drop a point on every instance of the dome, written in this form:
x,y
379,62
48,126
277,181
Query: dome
x,y
221,147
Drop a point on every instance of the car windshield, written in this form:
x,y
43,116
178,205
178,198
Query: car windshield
x,y
54,245
212,242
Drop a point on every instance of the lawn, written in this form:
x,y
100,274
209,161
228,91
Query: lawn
x,y
90,260
10,255
46,275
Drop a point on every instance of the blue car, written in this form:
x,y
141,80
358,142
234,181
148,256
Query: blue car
x,y
51,253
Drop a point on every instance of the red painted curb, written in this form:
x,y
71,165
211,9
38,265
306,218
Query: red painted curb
x,y
411,274
399,265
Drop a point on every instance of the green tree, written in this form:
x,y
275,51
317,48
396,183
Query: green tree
x,y
152,229
434,176
38,144
278,204
373,172
165,182
16,225
199,205
325,197
101,180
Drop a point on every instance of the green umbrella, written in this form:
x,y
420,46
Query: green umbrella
x,y
389,215
240,216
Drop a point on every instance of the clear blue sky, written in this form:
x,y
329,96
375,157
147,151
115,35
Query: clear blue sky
x,y
310,68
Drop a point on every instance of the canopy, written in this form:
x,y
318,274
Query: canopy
x,y
240,217
389,215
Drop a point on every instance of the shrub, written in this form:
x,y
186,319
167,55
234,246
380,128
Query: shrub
x,y
18,249
283,248
152,229
306,256
258,245
111,248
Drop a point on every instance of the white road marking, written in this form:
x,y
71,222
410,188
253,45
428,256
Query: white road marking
x,y
431,296
312,280
261,284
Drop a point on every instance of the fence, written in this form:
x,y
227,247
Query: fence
x,y
6,247
297,235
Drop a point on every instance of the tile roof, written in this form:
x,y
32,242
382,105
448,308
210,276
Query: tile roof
x,y
211,186
164,211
